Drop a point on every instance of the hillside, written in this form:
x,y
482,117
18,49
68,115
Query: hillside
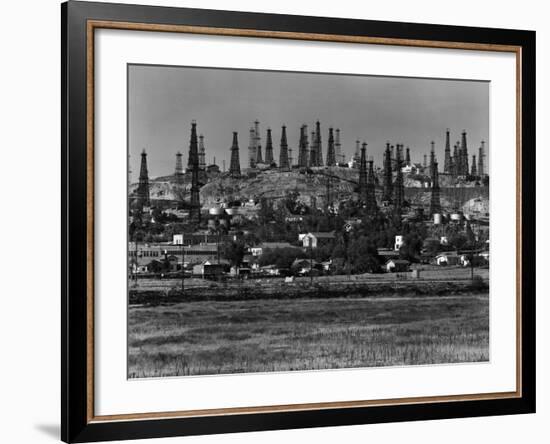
x,y
274,184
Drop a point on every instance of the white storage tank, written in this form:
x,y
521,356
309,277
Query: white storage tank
x,y
456,216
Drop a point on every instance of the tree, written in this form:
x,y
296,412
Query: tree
x,y
155,266
363,256
291,202
470,236
339,249
458,240
266,212
410,250
322,252
281,257
234,251
432,246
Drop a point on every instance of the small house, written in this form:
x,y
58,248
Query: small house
x,y
399,242
397,265
270,270
210,269
314,240
448,259
303,266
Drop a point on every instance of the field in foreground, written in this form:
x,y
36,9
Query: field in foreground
x,y
213,337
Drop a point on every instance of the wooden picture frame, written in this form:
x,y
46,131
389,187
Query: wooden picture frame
x,y
79,22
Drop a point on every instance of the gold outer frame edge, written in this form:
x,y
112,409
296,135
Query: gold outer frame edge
x,y
92,25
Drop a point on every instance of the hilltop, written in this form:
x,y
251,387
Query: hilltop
x,y
311,184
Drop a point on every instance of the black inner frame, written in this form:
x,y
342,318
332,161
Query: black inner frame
x,y
74,424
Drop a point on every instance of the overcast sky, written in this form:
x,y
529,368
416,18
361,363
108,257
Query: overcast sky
x,y
164,100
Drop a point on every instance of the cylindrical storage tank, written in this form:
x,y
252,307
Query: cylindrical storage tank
x,y
230,211
437,219
215,211
456,216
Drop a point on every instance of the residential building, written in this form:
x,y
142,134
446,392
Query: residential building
x,y
397,265
314,240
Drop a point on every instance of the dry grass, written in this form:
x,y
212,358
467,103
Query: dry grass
x,y
199,338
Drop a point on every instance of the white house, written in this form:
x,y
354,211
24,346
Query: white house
x,y
398,242
449,259
314,240
397,265
256,251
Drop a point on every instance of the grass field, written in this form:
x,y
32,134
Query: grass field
x,y
214,337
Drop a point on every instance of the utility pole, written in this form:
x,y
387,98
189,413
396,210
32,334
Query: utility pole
x,y
218,243
346,246
137,261
311,261
182,264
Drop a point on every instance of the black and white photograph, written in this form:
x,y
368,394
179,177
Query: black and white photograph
x,y
265,222
295,221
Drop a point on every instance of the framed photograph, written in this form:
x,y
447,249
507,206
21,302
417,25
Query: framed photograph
x,y
275,221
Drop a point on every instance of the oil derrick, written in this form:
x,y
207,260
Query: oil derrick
x,y
401,153
372,208
393,158
307,145
235,164
474,166
456,161
302,153
179,173
356,159
363,175
398,189
268,148
252,149
464,155
425,162
143,186
388,184
338,147
318,144
435,203
452,168
447,163
331,153
195,212
202,153
481,160
259,158
283,154
313,151
357,154
408,156
432,157
202,161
